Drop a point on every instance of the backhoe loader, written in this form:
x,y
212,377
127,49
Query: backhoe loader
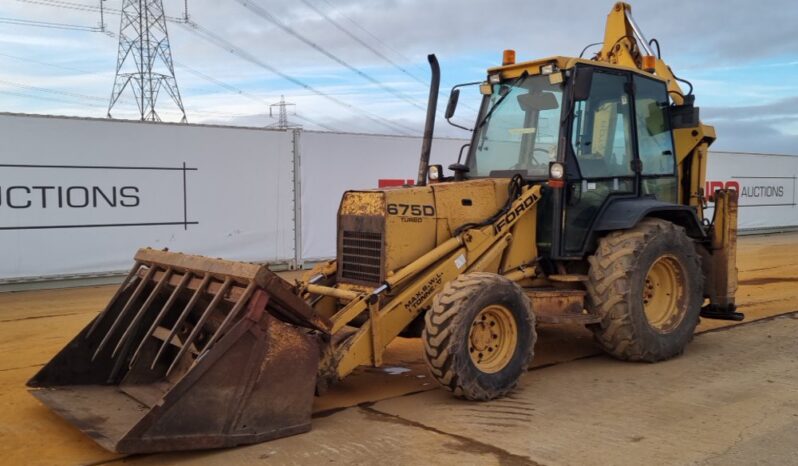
x,y
580,200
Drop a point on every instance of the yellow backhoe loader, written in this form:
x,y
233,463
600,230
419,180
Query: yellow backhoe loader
x,y
580,200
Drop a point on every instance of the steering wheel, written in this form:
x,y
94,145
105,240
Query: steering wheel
x,y
549,154
535,162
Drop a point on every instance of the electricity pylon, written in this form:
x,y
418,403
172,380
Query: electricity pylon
x,y
144,62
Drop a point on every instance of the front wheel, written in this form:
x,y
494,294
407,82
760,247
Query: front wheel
x,y
647,284
479,336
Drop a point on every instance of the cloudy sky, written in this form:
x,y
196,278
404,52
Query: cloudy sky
x,y
369,58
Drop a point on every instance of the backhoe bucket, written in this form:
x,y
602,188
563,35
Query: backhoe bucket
x,y
190,353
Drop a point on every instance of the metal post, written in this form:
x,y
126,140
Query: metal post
x,y
102,16
297,177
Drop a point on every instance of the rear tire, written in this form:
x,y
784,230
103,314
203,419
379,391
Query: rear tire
x,y
479,336
647,284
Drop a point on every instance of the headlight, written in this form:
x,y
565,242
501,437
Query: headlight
x,y
434,172
556,170
548,69
494,78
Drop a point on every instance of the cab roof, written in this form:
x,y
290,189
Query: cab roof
x,y
563,63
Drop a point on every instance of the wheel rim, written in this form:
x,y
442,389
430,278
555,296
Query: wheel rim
x,y
492,338
664,294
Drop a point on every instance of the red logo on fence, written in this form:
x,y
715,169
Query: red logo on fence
x,y
712,186
388,182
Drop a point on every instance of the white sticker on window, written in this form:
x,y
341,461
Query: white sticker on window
x,y
460,261
591,186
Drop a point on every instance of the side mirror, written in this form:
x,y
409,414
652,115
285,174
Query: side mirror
x,y
582,81
452,105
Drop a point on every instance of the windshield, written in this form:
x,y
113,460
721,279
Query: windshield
x,y
521,132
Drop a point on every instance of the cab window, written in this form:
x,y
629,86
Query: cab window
x,y
521,128
602,130
653,132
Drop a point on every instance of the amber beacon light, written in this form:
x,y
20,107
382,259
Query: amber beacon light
x,y
508,57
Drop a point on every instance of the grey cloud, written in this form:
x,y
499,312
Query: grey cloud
x,y
783,107
753,136
693,34
723,32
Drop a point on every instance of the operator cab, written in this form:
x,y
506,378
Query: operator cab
x,y
595,133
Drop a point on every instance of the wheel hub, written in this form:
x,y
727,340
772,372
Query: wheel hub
x,y
492,338
663,293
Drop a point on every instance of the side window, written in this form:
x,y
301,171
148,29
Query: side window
x,y
602,129
655,143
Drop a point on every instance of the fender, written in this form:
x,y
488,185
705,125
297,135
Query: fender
x,y
622,214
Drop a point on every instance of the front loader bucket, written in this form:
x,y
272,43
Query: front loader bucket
x,y
190,353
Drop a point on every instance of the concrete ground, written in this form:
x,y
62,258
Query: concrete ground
x,y
731,399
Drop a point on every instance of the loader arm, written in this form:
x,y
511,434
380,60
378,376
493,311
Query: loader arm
x,y
393,305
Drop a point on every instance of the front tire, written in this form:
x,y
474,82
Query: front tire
x,y
479,336
647,284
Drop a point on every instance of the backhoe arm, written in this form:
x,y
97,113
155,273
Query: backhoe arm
x,y
625,45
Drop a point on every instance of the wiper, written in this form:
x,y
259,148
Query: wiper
x,y
515,82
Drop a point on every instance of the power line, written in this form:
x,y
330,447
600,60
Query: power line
x,y
362,42
260,11
231,48
93,8
82,99
370,34
51,65
316,122
63,4
378,40
48,25
53,99
185,67
368,46
52,91
248,95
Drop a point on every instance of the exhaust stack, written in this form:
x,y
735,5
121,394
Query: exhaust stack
x,y
429,127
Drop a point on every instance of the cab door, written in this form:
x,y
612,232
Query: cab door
x,y
655,140
602,144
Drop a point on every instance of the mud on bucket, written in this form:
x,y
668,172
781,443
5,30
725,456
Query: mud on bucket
x,y
190,353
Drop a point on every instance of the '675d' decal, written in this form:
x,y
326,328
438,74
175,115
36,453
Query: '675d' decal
x,y
411,210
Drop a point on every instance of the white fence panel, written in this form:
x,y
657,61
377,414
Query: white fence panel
x,y
80,196
766,185
333,163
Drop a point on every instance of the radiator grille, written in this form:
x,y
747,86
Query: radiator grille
x,y
361,257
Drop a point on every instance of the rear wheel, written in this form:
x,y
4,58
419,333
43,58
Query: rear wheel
x,y
648,284
479,336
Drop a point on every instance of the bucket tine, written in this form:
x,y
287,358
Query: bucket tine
x,y
124,310
144,307
118,292
169,303
195,331
182,318
232,315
